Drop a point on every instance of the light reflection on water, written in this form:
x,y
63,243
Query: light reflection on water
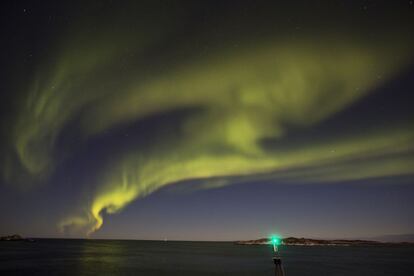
x,y
100,257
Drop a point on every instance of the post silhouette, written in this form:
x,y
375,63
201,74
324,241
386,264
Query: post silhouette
x,y
276,258
278,266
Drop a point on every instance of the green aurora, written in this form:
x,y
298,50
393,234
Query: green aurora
x,y
237,95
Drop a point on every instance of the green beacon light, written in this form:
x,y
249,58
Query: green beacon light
x,y
276,241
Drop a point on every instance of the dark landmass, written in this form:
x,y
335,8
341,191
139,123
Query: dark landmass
x,y
318,242
14,238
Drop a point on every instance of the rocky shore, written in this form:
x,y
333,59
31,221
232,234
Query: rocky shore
x,y
14,238
318,242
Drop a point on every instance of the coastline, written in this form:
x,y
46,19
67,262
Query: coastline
x,y
292,241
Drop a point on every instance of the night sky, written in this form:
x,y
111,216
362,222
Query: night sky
x,y
207,120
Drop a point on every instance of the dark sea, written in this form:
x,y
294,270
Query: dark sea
x,y
123,257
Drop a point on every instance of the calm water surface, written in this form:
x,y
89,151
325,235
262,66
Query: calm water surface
x,y
99,257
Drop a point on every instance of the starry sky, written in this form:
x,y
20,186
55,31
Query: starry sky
x,y
207,120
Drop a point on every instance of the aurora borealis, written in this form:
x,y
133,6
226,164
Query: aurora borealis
x,y
121,101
